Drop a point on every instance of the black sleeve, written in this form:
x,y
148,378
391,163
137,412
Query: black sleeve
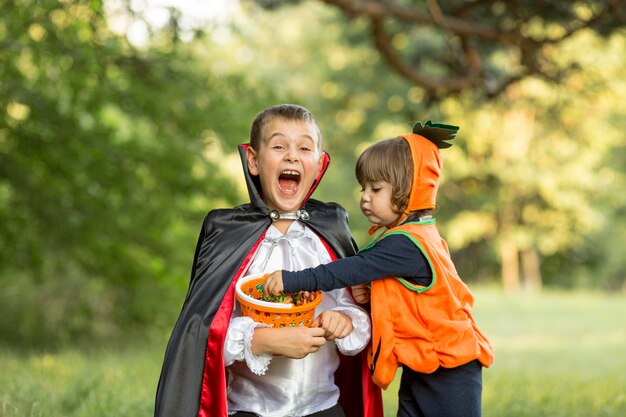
x,y
392,256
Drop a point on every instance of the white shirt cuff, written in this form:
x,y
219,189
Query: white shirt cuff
x,y
238,345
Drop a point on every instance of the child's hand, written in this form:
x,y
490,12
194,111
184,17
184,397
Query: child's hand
x,y
292,342
273,283
335,324
361,293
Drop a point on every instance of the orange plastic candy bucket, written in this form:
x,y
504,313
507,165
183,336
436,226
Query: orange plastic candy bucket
x,y
272,313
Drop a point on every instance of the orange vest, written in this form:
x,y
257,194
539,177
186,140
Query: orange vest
x,y
424,327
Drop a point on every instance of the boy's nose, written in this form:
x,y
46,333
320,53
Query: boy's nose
x,y
291,156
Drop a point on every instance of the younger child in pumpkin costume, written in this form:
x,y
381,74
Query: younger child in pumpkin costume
x,y
421,309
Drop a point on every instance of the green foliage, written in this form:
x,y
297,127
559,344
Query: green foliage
x,y
481,47
103,174
534,168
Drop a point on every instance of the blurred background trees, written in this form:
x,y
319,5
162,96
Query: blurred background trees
x,y
474,45
118,129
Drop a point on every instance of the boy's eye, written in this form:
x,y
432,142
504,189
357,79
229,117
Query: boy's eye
x,y
376,189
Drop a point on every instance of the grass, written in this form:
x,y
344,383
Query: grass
x,y
111,383
557,354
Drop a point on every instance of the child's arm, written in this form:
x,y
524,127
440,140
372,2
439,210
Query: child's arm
x,y
256,343
392,256
292,342
274,285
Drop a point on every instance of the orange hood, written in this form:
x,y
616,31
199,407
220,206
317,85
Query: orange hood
x,y
425,142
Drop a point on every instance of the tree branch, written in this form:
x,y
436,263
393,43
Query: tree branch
x,y
388,52
459,26
611,6
466,55
472,43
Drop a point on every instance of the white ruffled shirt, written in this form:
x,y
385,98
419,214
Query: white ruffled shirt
x,y
279,386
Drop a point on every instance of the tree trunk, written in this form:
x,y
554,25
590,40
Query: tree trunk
x,y
510,266
531,270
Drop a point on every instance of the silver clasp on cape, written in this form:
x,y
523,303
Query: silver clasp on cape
x,y
298,215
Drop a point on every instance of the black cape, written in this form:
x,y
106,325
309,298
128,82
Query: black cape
x,y
193,377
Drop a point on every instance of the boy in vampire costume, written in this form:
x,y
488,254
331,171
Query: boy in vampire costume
x,y
196,379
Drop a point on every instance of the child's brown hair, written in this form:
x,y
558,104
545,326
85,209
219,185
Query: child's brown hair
x,y
390,161
283,111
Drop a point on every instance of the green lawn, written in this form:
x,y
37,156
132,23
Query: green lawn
x,y
557,354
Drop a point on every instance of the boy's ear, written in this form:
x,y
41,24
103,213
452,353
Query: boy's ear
x,y
253,166
320,163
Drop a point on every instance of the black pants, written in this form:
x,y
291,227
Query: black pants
x,y
447,392
335,411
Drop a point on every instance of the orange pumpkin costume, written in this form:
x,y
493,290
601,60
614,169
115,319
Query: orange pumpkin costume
x,y
424,327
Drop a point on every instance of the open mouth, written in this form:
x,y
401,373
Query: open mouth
x,y
288,181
